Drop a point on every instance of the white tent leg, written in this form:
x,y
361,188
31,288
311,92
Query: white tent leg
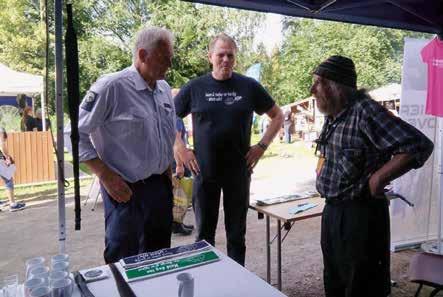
x,y
42,104
440,204
59,110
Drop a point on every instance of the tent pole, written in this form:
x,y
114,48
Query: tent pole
x,y
42,104
58,11
440,194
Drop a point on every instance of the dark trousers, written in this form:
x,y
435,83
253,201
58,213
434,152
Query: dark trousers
x,y
355,241
287,136
206,200
141,225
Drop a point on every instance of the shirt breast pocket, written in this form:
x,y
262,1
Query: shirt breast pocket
x,y
167,121
128,129
351,163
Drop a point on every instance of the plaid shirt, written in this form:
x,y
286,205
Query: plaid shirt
x,y
359,141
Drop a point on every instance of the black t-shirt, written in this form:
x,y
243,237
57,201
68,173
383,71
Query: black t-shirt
x,y
38,123
28,123
222,118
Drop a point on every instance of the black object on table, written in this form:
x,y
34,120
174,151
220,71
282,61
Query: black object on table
x,y
82,286
123,288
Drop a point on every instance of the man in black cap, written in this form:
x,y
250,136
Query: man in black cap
x,y
362,148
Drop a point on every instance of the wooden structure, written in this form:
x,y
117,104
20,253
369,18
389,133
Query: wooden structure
x,y
33,155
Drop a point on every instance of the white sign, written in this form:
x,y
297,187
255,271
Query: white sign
x,y
414,225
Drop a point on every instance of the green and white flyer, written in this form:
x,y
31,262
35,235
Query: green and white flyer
x,y
173,265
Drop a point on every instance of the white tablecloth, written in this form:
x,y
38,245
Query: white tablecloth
x,y
224,278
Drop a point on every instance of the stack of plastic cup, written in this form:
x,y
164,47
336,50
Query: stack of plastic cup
x,y
44,282
9,285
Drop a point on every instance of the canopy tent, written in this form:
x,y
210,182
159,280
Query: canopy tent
x,y
13,83
414,15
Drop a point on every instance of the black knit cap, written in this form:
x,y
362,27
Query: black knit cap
x,y
339,69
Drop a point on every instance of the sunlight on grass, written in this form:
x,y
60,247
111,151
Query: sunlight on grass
x,y
43,191
83,167
279,149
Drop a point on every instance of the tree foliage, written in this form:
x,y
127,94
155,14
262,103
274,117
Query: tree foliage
x,y
377,53
106,28
111,25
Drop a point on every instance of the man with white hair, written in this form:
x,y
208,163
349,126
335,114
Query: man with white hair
x,y
127,131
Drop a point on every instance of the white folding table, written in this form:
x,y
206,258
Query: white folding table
x,y
224,278
280,212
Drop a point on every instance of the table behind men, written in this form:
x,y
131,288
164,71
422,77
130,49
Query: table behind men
x,y
281,213
224,278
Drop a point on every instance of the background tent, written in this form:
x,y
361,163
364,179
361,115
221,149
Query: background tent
x,y
13,83
414,15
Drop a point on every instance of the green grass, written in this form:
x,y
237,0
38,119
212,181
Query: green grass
x,y
83,167
277,148
46,191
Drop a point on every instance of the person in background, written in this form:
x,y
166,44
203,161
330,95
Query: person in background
x,y
222,103
287,125
264,123
127,131
7,160
27,122
39,121
180,171
362,149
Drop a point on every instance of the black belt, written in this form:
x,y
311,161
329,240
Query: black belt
x,y
142,181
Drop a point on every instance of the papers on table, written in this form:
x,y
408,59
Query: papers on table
x,y
7,171
287,198
171,265
163,254
169,260
301,208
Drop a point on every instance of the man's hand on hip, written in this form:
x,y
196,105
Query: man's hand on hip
x,y
116,187
254,154
113,183
376,186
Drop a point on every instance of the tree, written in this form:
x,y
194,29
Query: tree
x,y
377,53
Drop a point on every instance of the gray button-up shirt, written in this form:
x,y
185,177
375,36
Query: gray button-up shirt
x,y
129,126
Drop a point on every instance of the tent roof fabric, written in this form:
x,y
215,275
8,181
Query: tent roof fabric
x,y
13,82
414,15
386,93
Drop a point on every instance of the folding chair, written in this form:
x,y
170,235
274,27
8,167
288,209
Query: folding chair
x,y
427,269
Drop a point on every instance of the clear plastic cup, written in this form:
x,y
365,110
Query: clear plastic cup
x,y
62,288
31,284
9,285
64,266
57,275
59,258
41,292
40,272
34,262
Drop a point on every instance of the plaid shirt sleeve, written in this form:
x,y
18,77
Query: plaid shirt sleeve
x,y
391,135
